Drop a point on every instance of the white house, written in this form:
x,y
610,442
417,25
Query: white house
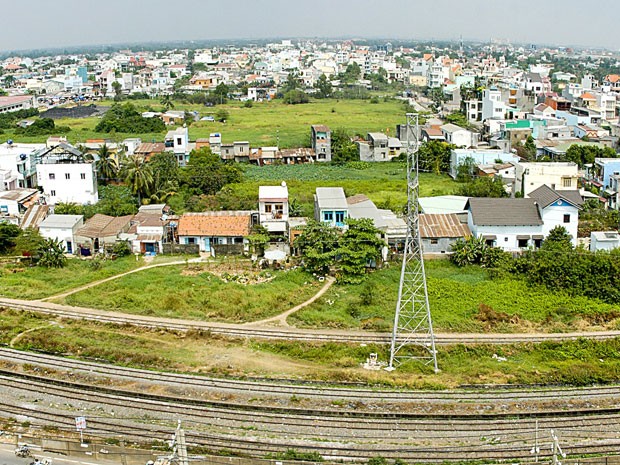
x,y
177,141
557,175
18,160
604,240
66,176
273,208
493,107
330,206
477,157
62,228
516,224
459,136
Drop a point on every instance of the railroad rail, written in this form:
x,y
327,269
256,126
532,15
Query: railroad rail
x,y
289,333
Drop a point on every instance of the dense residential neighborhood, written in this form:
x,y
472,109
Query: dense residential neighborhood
x,y
212,236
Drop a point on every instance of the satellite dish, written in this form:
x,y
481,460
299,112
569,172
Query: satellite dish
x,y
10,141
23,156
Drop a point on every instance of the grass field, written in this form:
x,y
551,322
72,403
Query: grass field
x,y
192,292
456,296
577,362
34,282
265,124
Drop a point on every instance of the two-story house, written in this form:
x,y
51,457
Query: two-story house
x,y
330,206
177,141
379,147
273,208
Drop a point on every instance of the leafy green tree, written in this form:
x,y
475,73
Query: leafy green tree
x,y
358,247
558,239
324,87
292,83
434,156
343,148
465,169
118,91
351,74
530,148
115,201
52,254
125,118
8,235
221,115
206,173
29,242
295,208
484,187
138,175
165,169
318,244
475,251
221,93
106,165
457,118
295,97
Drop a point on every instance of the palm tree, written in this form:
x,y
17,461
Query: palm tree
x,y
138,175
106,166
9,80
167,102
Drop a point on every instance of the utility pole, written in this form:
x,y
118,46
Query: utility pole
x,y
179,448
412,320
556,449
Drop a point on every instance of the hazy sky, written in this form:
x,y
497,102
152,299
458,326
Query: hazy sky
x,y
51,23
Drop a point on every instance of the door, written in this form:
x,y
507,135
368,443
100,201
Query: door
x,y
69,247
149,247
207,244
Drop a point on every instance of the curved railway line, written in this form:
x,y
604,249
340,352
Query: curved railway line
x,y
357,432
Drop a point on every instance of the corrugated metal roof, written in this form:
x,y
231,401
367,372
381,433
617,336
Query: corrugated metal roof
x,y
104,226
331,197
442,225
34,215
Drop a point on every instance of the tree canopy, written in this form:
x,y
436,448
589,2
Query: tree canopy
x,y
125,118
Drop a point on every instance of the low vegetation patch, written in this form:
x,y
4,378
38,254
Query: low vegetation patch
x,y
462,300
22,281
194,293
579,362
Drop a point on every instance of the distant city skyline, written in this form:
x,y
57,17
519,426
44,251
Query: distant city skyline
x,y
71,23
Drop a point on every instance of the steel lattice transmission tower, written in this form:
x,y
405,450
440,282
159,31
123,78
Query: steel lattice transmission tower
x,y
412,321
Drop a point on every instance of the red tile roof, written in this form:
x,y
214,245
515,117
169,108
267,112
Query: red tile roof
x,y
215,224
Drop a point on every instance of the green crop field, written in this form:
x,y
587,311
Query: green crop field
x,y
462,300
264,124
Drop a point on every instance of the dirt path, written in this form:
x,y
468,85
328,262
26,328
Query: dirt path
x,y
280,320
116,276
23,333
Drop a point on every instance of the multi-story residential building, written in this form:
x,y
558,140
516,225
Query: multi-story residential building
x,y
379,147
273,208
177,141
558,176
66,176
493,107
18,164
321,140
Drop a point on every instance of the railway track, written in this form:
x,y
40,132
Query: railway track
x,y
291,334
256,431
300,389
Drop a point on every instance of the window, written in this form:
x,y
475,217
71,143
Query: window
x,y
566,182
67,176
339,217
53,193
179,141
567,218
434,241
537,243
328,216
268,208
190,240
52,176
82,175
523,243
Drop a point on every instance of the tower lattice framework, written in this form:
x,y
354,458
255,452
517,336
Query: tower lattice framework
x,y
413,325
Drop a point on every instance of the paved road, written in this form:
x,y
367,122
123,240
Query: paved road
x,y
7,457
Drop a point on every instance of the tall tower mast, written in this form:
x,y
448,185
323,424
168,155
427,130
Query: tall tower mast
x,y
412,321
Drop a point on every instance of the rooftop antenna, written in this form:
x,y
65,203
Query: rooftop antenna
x,y
412,320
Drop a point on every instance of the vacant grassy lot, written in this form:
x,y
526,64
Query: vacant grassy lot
x,y
462,300
192,292
265,124
577,362
35,282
